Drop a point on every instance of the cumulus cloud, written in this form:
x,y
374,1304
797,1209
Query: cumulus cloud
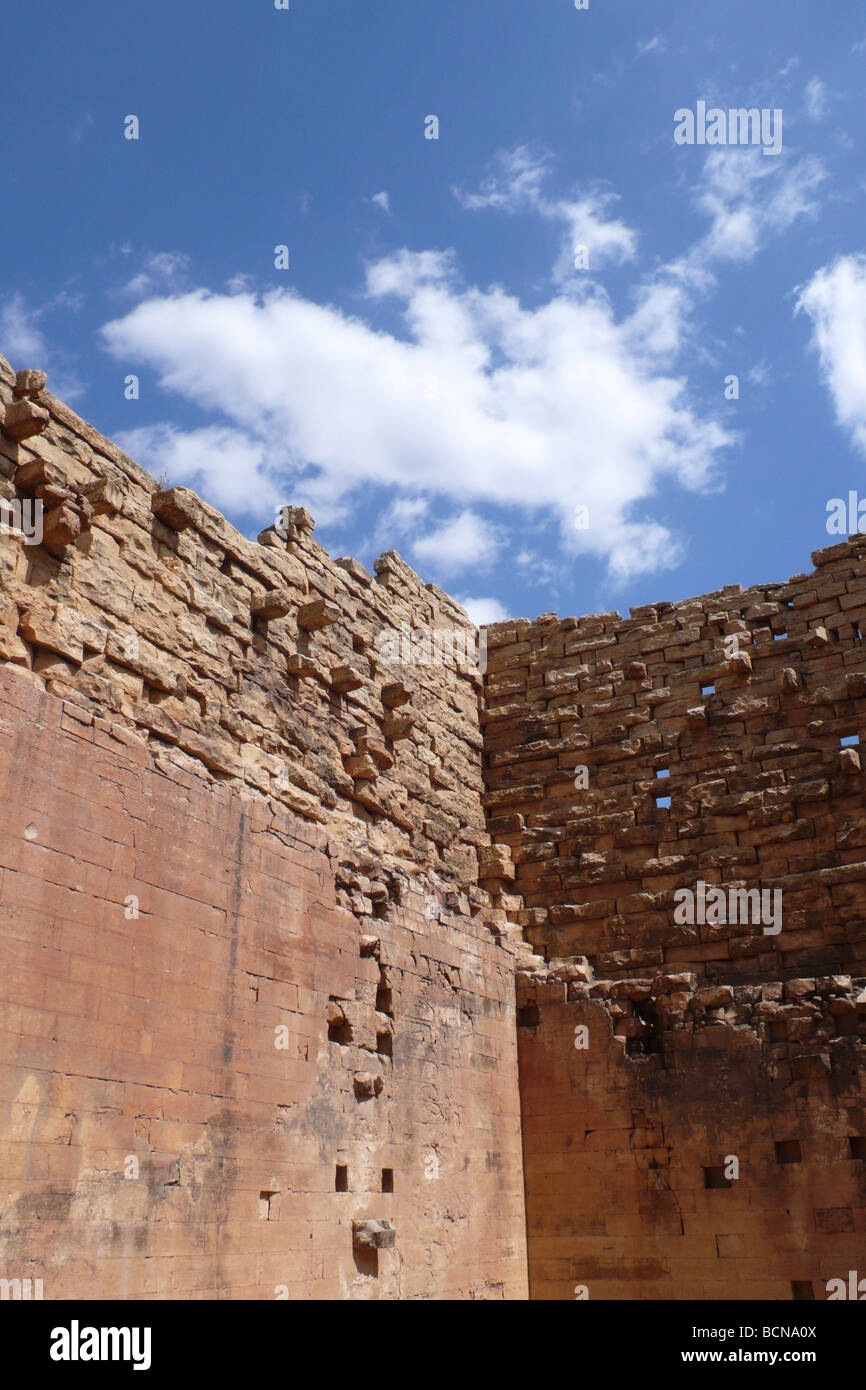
x,y
835,301
484,610
462,542
478,413
540,408
224,465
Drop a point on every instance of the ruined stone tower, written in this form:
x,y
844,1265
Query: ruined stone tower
x,y
334,975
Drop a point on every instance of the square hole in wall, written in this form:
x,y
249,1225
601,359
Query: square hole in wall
x,y
384,1045
340,1033
715,1177
802,1291
708,689
850,741
858,635
341,1178
788,1151
387,1179
663,803
777,636
858,1146
663,772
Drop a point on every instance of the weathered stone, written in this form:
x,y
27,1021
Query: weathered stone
x,y
345,679
395,695
373,1235
316,615
275,603
29,382
24,419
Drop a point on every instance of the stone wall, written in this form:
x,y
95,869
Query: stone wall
x,y
631,1191
762,791
328,972
694,1118
258,1033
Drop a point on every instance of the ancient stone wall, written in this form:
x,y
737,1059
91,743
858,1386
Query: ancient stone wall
x,y
725,1158
283,905
258,1032
747,748
694,1118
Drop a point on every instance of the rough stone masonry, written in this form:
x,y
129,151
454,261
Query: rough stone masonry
x,y
330,975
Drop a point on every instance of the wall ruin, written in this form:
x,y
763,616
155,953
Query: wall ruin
x,y
739,1038
259,1039
332,974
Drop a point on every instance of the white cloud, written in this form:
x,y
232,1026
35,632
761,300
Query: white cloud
x,y
815,97
516,186
20,336
760,374
835,301
382,200
657,44
539,408
484,610
641,547
463,542
223,465
477,400
749,199
161,271
24,344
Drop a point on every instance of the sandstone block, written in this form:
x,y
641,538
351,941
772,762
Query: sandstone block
x,y
274,603
318,614
24,419
373,1235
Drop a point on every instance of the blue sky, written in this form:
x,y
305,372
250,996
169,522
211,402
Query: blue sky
x,y
438,370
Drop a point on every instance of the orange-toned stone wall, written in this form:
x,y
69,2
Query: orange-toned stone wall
x,y
152,1041
282,906
626,1153
762,793
316,998
694,1115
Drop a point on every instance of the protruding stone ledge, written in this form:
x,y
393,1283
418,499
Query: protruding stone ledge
x,y
178,508
345,679
274,603
29,382
373,1235
355,569
24,419
395,695
318,614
